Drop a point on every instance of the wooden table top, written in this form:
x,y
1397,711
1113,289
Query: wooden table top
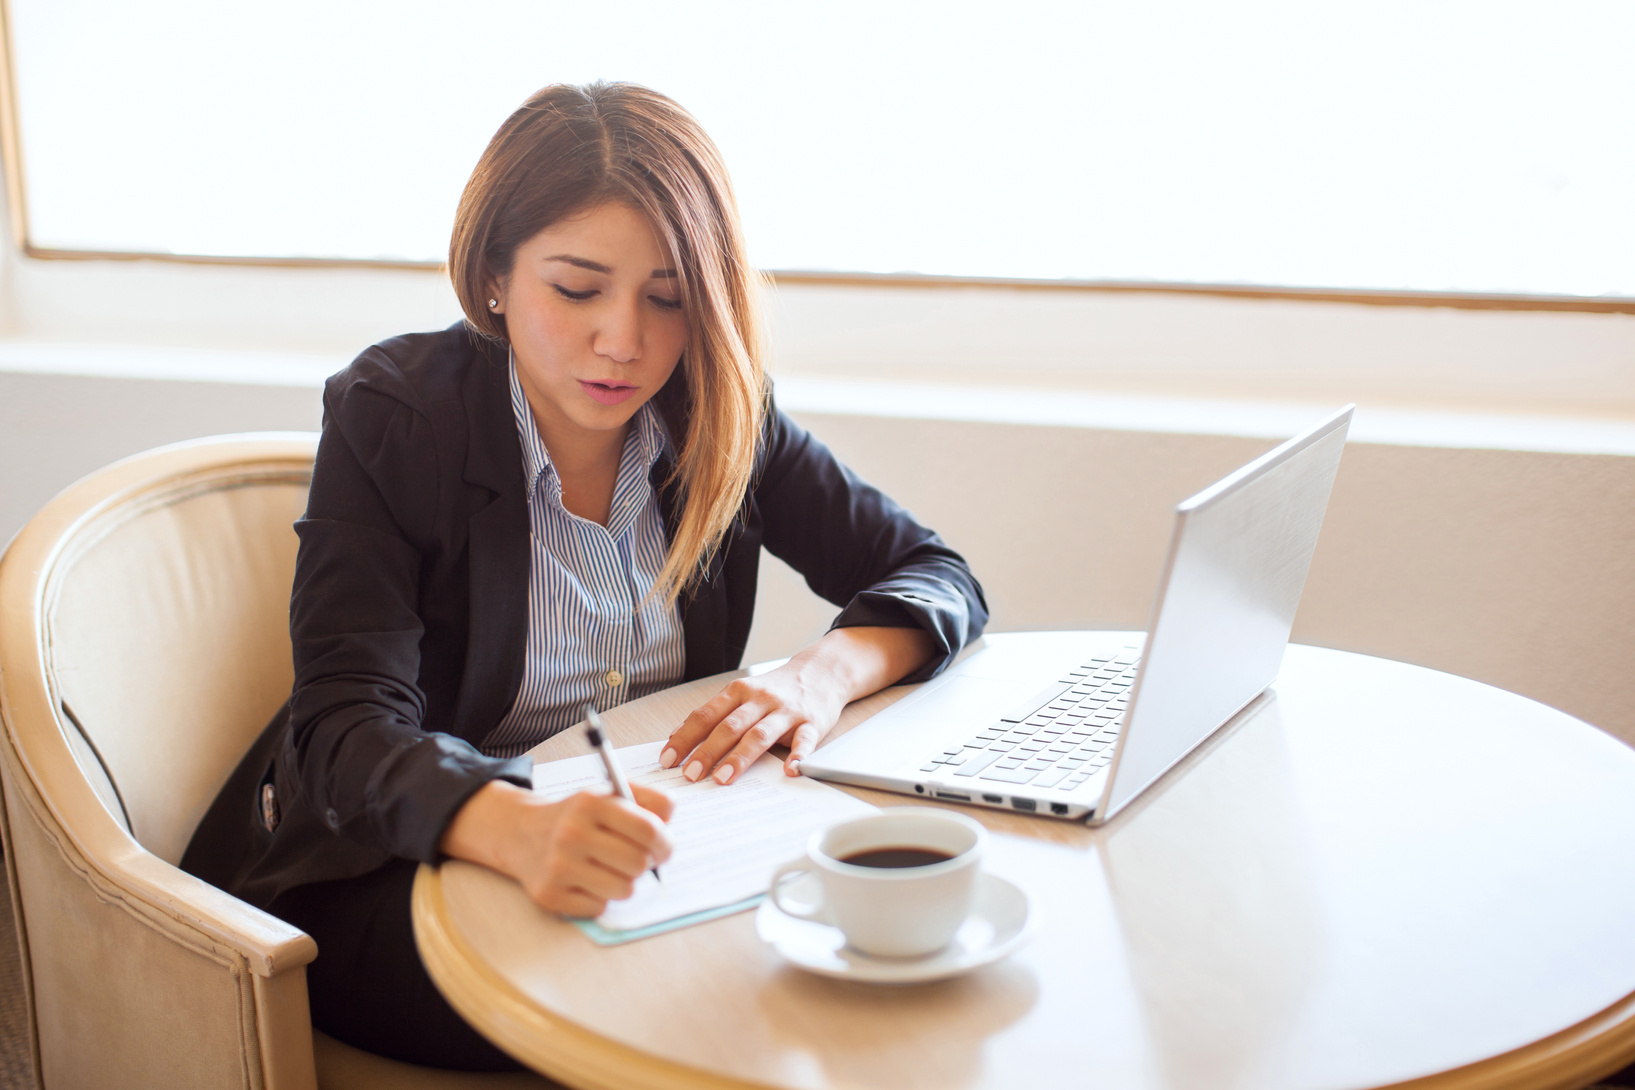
x,y
1386,875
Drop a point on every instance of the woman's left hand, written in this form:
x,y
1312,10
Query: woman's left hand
x,y
794,705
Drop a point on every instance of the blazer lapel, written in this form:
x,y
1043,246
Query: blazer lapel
x,y
497,542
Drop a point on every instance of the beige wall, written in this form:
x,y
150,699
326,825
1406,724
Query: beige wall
x,y
1436,358
1514,568
54,429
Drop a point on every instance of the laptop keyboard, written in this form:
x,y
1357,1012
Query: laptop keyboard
x,y
1059,737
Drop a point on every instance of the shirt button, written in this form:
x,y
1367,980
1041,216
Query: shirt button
x,y
614,679
332,819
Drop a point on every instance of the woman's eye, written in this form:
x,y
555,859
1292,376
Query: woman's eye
x,y
576,296
665,304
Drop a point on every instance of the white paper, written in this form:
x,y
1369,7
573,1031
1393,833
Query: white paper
x,y
728,840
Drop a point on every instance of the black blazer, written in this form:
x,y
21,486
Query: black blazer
x,y
409,609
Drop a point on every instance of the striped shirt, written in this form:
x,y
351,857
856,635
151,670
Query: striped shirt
x,y
591,636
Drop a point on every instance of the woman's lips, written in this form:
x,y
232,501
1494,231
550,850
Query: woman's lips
x,y
608,393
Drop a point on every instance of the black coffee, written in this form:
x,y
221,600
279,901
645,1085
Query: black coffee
x,y
896,857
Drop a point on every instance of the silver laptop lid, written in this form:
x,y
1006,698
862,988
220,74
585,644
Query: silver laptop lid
x,y
1226,602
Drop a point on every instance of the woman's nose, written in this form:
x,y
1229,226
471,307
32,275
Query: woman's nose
x,y
619,335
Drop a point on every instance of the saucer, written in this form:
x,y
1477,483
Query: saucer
x,y
997,925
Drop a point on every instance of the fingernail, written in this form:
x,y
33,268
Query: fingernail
x,y
694,770
668,758
793,768
723,774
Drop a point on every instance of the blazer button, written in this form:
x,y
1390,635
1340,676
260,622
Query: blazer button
x,y
269,807
332,819
614,679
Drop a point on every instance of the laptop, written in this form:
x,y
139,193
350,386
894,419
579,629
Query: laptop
x,y
1080,740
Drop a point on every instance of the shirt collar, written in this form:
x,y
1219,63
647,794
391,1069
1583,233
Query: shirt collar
x,y
649,437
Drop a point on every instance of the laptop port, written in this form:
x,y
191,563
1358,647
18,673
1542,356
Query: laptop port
x,y
993,798
1058,807
1024,804
919,789
956,796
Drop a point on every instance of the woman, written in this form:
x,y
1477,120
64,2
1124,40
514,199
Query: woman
x,y
562,500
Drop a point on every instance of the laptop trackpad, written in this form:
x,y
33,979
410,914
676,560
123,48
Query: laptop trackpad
x,y
977,701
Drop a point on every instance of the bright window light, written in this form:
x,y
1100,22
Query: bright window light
x,y
1397,144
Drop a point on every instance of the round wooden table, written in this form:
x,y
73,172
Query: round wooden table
x,y
1384,875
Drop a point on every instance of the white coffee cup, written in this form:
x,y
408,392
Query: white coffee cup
x,y
891,910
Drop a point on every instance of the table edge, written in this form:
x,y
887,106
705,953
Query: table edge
x,y
546,1042
568,1052
1576,1056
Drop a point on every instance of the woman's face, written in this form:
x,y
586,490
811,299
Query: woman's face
x,y
593,311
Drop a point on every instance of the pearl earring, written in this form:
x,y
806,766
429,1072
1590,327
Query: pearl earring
x,y
492,303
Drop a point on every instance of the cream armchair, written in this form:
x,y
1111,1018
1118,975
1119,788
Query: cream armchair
x,y
144,643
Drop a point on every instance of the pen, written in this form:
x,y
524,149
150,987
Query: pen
x,y
597,736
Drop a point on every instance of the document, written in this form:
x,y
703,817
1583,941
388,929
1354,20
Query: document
x,y
728,840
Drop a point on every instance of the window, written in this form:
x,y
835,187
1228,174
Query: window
x,y
1423,145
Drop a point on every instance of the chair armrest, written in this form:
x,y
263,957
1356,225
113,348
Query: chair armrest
x,y
268,944
124,871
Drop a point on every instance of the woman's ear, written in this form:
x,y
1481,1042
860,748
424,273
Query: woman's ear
x,y
494,297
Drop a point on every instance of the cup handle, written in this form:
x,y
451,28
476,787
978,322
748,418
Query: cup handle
x,y
817,913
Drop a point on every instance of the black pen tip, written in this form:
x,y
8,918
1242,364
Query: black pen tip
x,y
593,735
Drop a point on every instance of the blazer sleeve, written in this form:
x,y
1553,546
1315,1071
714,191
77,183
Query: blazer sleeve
x,y
859,549
355,742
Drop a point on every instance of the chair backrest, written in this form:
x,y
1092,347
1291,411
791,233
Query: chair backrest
x,y
168,638
143,643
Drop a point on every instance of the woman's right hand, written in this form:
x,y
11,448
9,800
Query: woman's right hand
x,y
572,856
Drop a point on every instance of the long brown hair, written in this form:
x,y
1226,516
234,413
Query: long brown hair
x,y
568,149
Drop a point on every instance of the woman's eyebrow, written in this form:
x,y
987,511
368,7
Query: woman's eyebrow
x,y
598,267
581,262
